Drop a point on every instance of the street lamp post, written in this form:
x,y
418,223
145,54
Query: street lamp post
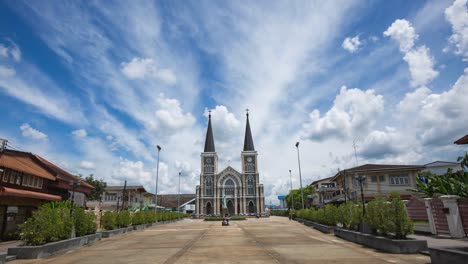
x,y
300,176
73,185
361,179
178,198
157,176
292,196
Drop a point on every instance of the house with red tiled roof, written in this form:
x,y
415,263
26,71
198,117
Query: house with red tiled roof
x,y
67,185
24,186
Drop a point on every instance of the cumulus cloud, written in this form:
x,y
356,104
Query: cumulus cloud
x,y
87,165
81,133
225,124
351,44
171,115
403,32
420,62
29,132
437,118
421,66
142,68
10,51
353,111
6,71
133,171
381,143
457,15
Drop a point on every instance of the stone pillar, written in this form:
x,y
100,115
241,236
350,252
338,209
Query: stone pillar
x,y
215,197
257,199
430,216
235,202
453,216
244,199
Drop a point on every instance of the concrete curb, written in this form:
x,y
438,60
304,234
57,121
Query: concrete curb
x,y
397,246
3,258
322,228
34,252
114,232
452,255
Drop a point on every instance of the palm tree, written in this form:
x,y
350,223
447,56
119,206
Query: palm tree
x,y
464,161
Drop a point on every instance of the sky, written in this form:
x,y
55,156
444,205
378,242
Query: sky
x,y
94,86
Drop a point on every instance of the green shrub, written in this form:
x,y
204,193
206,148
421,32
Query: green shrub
x,y
124,219
401,225
349,215
280,213
378,216
109,220
138,218
52,222
85,222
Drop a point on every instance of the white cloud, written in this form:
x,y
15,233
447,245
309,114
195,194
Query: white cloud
x,y
142,68
457,15
351,44
353,111
402,31
79,133
11,51
134,171
171,115
421,66
420,62
225,124
29,132
6,71
436,118
382,143
87,165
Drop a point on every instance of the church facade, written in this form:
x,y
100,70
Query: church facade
x,y
240,192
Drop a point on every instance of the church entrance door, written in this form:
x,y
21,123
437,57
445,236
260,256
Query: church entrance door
x,y
208,208
230,207
251,208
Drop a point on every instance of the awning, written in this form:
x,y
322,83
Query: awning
x,y
4,191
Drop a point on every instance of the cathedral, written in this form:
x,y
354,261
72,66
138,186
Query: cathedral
x,y
239,192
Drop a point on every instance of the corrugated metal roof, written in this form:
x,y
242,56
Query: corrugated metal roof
x,y
462,141
4,191
24,162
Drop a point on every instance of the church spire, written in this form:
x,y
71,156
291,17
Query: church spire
x,y
209,141
248,141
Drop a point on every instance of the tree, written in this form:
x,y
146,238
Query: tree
x,y
99,188
308,190
464,161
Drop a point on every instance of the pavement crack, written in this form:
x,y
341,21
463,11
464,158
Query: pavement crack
x,y
180,253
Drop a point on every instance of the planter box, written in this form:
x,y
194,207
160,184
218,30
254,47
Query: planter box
x,y
422,227
115,232
407,246
34,252
452,255
3,258
322,228
139,227
130,229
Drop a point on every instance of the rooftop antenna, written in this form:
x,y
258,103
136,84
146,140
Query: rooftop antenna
x,y
3,144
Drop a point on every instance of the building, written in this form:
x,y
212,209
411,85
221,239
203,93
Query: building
x,y
441,167
240,192
325,190
462,141
169,202
283,204
27,181
134,198
379,179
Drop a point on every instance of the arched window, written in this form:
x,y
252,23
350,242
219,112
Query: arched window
x,y
250,185
208,186
229,187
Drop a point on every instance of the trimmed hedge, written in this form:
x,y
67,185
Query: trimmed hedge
x,y
111,220
52,222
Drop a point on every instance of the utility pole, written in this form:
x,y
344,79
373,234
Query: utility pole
x,y
178,198
123,194
157,176
292,196
361,179
300,176
345,190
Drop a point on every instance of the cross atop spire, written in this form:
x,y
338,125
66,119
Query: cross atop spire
x,y
209,141
248,141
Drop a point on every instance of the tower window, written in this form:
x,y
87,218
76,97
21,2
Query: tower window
x,y
208,186
250,185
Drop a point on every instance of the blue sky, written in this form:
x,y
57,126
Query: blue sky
x,y
94,86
